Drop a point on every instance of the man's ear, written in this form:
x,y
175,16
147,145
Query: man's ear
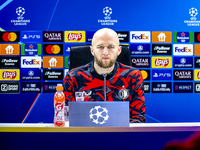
x,y
119,50
91,50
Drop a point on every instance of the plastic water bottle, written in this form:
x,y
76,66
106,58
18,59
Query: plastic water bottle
x,y
59,103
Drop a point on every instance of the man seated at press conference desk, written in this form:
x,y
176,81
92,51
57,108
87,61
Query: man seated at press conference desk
x,y
106,79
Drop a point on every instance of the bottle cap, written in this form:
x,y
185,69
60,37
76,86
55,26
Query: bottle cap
x,y
59,87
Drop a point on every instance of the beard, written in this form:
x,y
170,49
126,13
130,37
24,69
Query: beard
x,y
106,64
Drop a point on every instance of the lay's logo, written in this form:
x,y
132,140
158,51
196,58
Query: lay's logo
x,y
75,36
161,62
9,74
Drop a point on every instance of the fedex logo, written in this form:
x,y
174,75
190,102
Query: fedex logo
x,y
140,36
183,49
30,62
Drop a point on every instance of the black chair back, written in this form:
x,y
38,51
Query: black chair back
x,y
81,55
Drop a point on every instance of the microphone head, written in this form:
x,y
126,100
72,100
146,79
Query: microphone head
x,y
104,74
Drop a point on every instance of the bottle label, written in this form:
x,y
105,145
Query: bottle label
x,y
59,111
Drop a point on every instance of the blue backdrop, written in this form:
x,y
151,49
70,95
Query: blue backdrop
x,y
88,16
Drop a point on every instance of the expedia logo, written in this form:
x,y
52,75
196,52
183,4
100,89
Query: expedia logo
x,y
74,36
49,49
9,36
53,74
52,36
161,62
9,74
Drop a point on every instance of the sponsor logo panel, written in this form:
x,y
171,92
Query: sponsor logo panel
x,y
159,49
197,37
146,87
183,62
9,36
161,74
197,62
145,74
123,36
197,87
9,62
140,49
30,62
183,49
142,62
9,87
67,61
197,74
183,87
183,74
53,74
140,36
52,62
182,37
161,37
52,36
52,49
30,87
31,36
9,74
9,49
75,36
50,87
89,35
161,87
66,71
30,49
197,49
30,74
161,62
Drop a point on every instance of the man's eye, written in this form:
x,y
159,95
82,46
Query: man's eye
x,y
111,46
100,46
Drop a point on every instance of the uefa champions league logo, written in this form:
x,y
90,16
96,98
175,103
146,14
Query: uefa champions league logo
x,y
107,12
99,115
20,11
193,12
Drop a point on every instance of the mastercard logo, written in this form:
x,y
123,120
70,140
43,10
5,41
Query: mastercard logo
x,y
53,49
9,36
50,49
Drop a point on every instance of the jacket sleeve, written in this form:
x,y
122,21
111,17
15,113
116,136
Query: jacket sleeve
x,y
68,89
137,103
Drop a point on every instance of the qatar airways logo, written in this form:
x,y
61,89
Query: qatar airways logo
x,y
9,74
75,36
162,62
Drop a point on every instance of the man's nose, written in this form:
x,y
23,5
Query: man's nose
x,y
105,51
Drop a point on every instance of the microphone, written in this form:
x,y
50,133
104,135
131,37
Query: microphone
x,y
104,76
